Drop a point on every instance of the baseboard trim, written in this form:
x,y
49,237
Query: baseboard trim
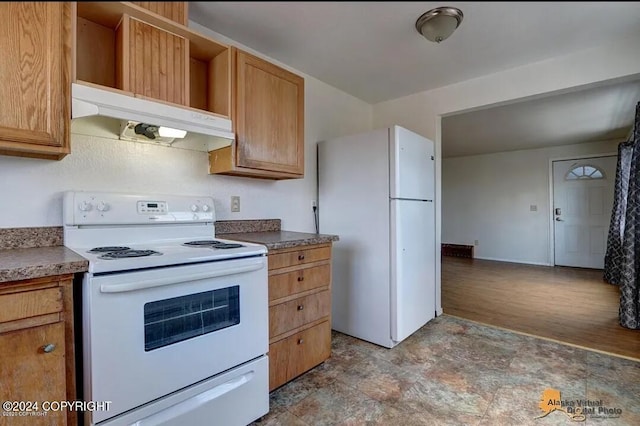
x,y
525,262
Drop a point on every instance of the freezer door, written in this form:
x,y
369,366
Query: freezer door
x,y
411,165
413,292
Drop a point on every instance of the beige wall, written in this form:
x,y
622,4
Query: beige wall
x,y
488,198
421,112
31,192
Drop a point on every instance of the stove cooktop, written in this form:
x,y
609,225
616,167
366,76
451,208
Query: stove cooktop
x,y
161,253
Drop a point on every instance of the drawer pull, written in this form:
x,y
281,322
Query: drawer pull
x,y
300,341
301,257
300,278
300,307
49,348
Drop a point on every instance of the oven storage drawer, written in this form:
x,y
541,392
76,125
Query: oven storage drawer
x,y
234,398
298,281
298,353
298,257
290,315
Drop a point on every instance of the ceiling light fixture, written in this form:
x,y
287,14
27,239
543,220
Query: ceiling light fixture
x,y
438,24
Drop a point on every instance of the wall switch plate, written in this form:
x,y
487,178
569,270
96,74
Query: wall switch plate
x,y
533,208
476,243
235,203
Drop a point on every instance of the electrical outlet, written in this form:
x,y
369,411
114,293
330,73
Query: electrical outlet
x,y
476,242
235,203
314,204
533,208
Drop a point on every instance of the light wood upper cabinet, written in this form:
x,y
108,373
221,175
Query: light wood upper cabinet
x,y
35,45
177,11
152,62
268,115
147,52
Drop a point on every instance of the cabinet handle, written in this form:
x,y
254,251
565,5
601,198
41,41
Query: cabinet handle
x,y
301,257
300,278
300,341
300,307
49,348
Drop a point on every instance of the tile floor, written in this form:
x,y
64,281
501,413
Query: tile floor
x,y
455,372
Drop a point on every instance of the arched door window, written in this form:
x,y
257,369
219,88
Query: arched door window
x,y
584,171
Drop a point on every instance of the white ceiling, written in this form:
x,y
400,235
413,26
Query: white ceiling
x,y
591,115
372,51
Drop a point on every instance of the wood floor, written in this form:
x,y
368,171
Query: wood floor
x,y
569,305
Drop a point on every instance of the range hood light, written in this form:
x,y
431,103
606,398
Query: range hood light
x,y
168,132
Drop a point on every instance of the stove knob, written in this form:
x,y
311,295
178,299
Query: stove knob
x,y
84,206
205,208
102,206
194,208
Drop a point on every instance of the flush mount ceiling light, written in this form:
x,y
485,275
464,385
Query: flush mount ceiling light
x,y
438,24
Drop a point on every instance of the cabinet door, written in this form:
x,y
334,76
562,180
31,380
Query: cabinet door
x,y
31,374
175,10
154,62
35,45
269,116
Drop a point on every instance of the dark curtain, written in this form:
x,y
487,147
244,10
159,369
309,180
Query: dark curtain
x,y
622,259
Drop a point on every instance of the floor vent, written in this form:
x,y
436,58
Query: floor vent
x,y
457,250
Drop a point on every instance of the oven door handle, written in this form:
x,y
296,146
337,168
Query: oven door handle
x,y
132,285
176,411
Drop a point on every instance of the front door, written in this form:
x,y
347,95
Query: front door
x,y
582,204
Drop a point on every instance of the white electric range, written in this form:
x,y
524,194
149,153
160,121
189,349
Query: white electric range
x,y
175,321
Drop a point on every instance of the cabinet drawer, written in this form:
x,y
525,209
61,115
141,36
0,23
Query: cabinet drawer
x,y
28,304
298,257
283,285
298,353
289,315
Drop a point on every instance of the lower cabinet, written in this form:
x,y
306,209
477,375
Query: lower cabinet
x,y
36,350
292,356
299,311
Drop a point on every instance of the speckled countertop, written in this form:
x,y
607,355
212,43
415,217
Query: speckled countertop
x,y
36,262
281,239
27,253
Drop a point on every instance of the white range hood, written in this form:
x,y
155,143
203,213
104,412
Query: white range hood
x,y
205,132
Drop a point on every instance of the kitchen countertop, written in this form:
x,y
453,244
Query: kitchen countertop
x,y
275,240
29,263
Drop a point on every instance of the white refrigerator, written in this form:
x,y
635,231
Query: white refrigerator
x,y
376,191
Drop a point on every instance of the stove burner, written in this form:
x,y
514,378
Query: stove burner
x,y
108,249
202,243
213,244
129,253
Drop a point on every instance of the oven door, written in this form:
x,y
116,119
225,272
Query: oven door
x,y
153,332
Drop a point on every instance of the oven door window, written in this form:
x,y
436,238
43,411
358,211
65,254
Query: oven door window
x,y
173,320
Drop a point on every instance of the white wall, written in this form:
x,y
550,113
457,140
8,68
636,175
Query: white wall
x,y
422,112
488,198
31,190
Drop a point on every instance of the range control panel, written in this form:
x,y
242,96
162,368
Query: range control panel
x,y
97,208
151,207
